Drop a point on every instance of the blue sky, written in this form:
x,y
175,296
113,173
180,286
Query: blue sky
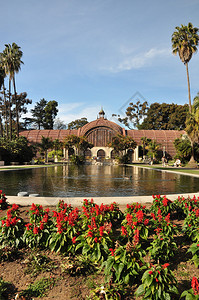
x,y
88,54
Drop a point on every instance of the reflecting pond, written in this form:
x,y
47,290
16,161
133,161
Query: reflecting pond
x,y
95,181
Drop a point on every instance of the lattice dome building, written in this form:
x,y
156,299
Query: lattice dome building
x,y
101,131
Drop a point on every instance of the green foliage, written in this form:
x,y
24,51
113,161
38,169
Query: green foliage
x,y
194,249
17,149
185,40
153,148
183,149
39,288
158,283
4,288
77,160
50,114
38,112
162,248
77,265
3,203
134,114
66,229
124,264
11,229
39,228
44,113
163,204
193,293
108,292
37,263
77,123
122,143
165,116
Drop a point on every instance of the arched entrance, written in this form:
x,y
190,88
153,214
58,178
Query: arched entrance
x,y
71,151
114,154
130,155
101,154
87,154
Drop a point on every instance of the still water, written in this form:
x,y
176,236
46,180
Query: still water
x,y
95,181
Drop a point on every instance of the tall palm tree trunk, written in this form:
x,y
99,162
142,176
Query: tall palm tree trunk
x,y
189,91
16,106
10,112
6,111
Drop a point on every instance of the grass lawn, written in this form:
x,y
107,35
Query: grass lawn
x,y
173,169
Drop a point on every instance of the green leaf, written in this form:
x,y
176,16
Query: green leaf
x,y
126,279
140,290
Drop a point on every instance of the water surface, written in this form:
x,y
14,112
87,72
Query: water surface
x,y
95,181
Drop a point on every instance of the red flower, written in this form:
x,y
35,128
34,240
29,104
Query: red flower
x,y
140,216
41,226
165,266
14,221
146,222
195,285
101,230
124,231
36,230
28,226
150,272
90,233
95,240
33,207
15,207
74,240
157,280
7,223
112,251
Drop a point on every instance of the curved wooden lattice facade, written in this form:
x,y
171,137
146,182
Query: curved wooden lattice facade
x,y
100,137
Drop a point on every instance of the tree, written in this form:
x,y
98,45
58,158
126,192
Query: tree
x,y
11,62
50,114
59,124
183,148
153,148
21,101
192,128
121,143
38,112
184,42
135,112
84,144
145,142
80,143
77,123
46,143
44,113
18,149
165,117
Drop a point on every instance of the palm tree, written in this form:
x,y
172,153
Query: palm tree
x,y
153,147
11,60
2,85
46,143
192,128
145,142
184,42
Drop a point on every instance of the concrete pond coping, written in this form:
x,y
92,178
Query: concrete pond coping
x,y
78,201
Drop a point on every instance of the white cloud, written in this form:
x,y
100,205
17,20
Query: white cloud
x,y
78,112
139,60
